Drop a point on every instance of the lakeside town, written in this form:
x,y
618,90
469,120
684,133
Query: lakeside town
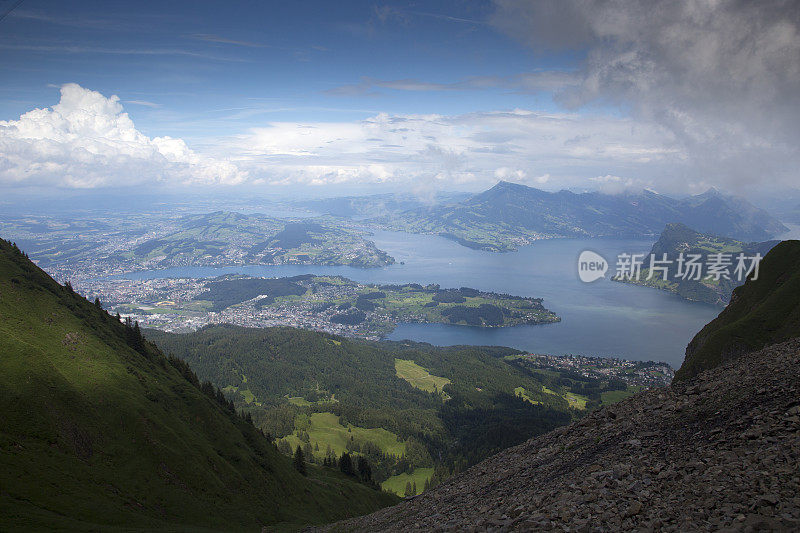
x,y
646,374
175,305
332,304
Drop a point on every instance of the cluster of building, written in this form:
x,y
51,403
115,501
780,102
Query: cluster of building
x,y
176,304
636,373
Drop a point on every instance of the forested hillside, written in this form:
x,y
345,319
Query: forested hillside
x,y
409,408
99,430
677,240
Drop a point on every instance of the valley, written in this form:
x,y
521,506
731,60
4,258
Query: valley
x,y
417,410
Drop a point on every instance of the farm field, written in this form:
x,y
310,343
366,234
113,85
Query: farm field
x,y
576,401
615,396
522,393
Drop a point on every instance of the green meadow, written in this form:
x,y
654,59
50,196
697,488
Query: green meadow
x,y
614,396
522,393
325,430
397,484
419,377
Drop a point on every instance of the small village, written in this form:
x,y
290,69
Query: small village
x,y
647,374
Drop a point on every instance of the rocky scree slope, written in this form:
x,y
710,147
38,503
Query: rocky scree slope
x,y
720,451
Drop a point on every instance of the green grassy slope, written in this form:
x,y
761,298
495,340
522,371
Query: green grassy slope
x,y
761,312
97,435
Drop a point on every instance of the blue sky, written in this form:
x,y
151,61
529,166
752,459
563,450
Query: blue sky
x,y
192,68
403,95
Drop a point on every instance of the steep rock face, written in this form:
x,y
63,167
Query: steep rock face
x,y
719,451
761,312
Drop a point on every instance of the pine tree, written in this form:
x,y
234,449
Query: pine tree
x,y
414,487
138,338
208,389
409,488
346,464
364,469
284,447
299,461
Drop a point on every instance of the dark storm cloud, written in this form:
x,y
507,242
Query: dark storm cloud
x,y
723,75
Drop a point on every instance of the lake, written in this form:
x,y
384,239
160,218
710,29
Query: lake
x,y
602,318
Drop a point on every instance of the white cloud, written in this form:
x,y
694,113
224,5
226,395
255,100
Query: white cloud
x,y
144,103
528,82
617,184
87,140
473,149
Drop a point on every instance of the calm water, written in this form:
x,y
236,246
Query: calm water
x,y
602,318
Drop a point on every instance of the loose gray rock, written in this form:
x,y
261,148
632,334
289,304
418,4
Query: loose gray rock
x,y
720,452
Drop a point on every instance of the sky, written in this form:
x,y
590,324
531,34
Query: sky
x,y
401,96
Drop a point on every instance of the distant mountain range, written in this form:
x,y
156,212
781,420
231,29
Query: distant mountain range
x,y
677,239
376,205
509,215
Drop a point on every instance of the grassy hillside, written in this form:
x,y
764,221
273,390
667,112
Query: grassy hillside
x,y
418,377
100,431
762,312
404,406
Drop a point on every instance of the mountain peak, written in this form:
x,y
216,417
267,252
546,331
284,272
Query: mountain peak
x,y
713,193
508,185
